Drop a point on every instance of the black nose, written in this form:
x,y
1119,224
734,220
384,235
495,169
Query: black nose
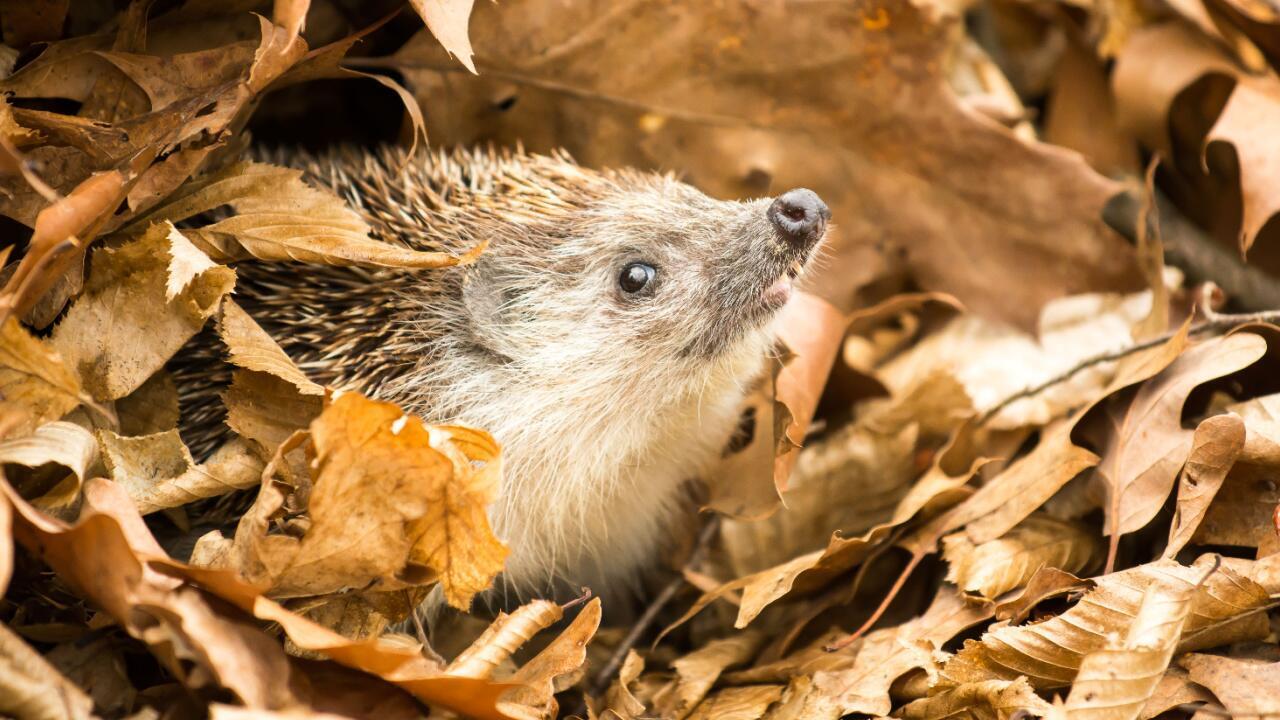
x,y
800,217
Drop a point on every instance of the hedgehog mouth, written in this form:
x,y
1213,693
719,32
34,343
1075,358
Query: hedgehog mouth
x,y
779,291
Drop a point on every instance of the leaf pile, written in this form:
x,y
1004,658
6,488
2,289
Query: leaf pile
x,y
1038,463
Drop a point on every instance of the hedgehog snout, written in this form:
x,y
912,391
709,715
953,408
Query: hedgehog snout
x,y
800,218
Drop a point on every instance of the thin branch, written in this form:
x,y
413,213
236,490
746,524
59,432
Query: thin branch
x,y
602,679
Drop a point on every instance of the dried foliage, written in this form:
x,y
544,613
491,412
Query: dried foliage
x,y
936,512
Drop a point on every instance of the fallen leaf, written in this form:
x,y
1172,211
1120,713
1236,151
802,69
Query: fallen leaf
x,y
62,443
127,291
37,386
393,502
1254,106
984,700
887,654
32,688
54,245
266,409
738,703
1010,561
1217,442
1226,608
1048,582
1247,688
278,217
158,471
1117,681
1147,445
1174,689
506,634
250,347
542,677
698,671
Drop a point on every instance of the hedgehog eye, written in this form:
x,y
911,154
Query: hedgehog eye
x,y
636,277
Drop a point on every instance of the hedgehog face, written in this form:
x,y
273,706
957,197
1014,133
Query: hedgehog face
x,y
650,280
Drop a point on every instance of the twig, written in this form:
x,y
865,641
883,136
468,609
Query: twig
x,y
1214,322
602,679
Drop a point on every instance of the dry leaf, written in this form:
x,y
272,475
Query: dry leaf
x,y
37,386
887,654
32,688
154,293
739,703
505,635
1174,689
1147,444
393,502
1117,681
1217,443
1010,561
1244,127
250,347
985,700
62,443
543,676
1247,688
280,217
698,671
266,409
1226,608
158,471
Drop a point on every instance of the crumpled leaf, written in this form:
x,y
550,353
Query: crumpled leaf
x,y
278,216
267,409
777,109
1146,442
985,700
63,443
1115,682
542,677
1010,561
887,654
158,471
506,634
32,688
155,293
698,671
1247,688
35,382
393,502
1217,442
1226,608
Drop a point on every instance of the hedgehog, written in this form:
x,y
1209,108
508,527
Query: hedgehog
x,y
606,337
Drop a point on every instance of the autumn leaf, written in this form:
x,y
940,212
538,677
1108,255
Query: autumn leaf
x,y
156,292
393,502
35,382
1216,444
158,471
278,216
1118,680
1010,561
1146,442
1225,608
